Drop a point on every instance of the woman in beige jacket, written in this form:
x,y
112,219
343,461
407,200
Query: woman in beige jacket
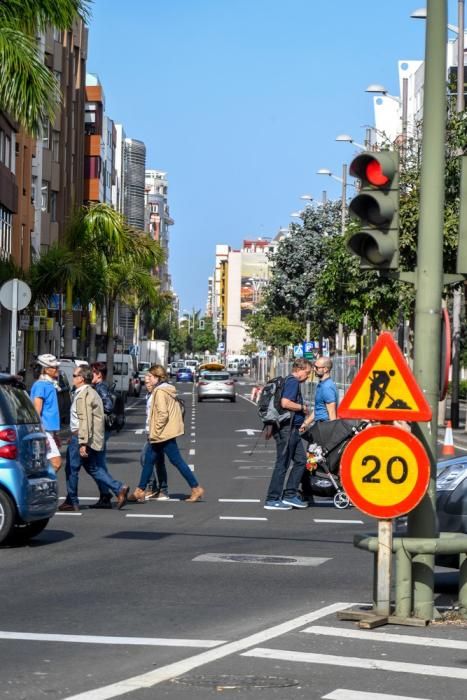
x,y
165,425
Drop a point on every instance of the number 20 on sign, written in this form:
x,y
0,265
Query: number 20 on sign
x,y
385,471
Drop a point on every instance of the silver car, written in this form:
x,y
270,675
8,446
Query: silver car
x,y
216,385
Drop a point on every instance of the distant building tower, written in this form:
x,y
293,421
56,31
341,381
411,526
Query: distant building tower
x,y
134,165
158,220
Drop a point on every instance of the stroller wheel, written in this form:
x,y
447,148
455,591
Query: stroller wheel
x,y
341,500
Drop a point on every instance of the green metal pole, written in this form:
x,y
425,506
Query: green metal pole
x,y
429,281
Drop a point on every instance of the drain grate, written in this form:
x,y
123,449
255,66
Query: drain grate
x,y
231,682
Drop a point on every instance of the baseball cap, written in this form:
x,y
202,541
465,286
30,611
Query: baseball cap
x,y
48,360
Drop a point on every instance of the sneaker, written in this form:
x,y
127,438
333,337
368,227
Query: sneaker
x,y
277,505
161,496
295,502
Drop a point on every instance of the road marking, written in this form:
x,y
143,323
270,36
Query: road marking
x,y
146,515
276,560
140,431
192,434
92,639
242,445
70,513
192,452
179,668
238,461
192,467
239,500
237,517
355,662
250,466
345,694
387,637
330,520
264,476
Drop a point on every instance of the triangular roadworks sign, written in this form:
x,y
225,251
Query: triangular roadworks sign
x,y
385,388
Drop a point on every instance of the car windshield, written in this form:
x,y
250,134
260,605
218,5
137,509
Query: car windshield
x,y
16,407
121,368
216,376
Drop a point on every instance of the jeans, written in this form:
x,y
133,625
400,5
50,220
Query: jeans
x,y
74,462
289,447
170,449
101,457
150,459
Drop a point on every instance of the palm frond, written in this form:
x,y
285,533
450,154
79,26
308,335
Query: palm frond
x,y
28,89
32,15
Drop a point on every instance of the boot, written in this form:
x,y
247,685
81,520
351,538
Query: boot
x,y
104,502
196,493
138,496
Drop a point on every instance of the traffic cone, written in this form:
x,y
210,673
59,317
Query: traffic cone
x,y
448,444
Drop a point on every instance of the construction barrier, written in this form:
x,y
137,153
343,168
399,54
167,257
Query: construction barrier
x,y
448,444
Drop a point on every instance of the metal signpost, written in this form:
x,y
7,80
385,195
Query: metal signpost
x,y
15,295
385,472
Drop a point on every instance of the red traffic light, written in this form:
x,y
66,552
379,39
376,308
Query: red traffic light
x,y
376,169
374,173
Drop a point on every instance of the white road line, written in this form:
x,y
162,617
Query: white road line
x,y
355,662
256,467
330,520
69,513
387,637
246,398
140,431
81,498
146,515
192,452
237,517
239,500
192,467
264,476
242,445
91,639
179,668
345,694
192,434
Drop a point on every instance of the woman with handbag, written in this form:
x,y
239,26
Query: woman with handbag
x,y
165,425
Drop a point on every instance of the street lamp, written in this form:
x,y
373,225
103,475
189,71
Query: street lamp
x,y
345,138
296,214
421,14
306,197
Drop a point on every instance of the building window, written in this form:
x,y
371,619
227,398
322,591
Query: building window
x,y
2,145
92,167
6,218
45,196
46,134
53,206
7,152
57,35
55,146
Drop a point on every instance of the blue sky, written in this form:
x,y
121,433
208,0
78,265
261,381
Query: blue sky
x,y
240,102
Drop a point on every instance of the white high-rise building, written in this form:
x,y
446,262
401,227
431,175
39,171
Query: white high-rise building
x,y
157,218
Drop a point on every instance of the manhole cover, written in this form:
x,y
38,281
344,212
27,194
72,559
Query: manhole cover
x,y
236,681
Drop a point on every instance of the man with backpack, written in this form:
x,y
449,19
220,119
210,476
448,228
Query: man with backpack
x,y
99,375
289,444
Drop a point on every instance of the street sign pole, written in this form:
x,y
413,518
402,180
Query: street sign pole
x,y
14,326
384,563
429,278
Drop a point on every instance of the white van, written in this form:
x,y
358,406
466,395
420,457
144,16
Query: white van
x,y
124,366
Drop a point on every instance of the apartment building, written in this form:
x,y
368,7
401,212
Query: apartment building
x,y
99,145
158,219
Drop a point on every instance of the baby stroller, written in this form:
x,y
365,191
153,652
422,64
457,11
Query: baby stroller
x,y
327,441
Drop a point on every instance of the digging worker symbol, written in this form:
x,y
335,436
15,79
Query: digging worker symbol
x,y
379,382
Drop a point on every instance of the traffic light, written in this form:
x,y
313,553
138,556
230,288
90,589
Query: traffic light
x,y
376,207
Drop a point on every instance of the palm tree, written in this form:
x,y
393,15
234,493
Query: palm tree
x,y
28,89
123,259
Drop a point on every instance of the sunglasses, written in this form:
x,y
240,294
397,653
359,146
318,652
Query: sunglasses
x,y
76,375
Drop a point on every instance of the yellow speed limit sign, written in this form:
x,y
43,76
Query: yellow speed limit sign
x,y
385,471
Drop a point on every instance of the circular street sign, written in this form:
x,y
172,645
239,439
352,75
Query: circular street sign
x,y
385,471
6,294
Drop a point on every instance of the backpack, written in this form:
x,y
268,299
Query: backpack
x,y
269,405
115,419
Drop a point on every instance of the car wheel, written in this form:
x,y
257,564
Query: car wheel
x,y
23,532
233,399
200,399
7,516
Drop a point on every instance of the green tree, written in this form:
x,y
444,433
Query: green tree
x,y
204,338
28,89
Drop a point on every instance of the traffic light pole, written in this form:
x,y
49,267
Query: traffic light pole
x,y
429,283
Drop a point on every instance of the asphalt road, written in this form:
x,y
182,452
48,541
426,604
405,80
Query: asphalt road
x,y
179,600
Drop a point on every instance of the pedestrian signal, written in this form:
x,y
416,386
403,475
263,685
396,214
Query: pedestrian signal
x,y
385,388
376,207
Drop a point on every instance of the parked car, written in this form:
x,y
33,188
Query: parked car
x,y
28,483
134,388
216,385
184,374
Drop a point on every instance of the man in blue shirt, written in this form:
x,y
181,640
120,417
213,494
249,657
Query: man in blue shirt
x,y
289,444
44,398
326,393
